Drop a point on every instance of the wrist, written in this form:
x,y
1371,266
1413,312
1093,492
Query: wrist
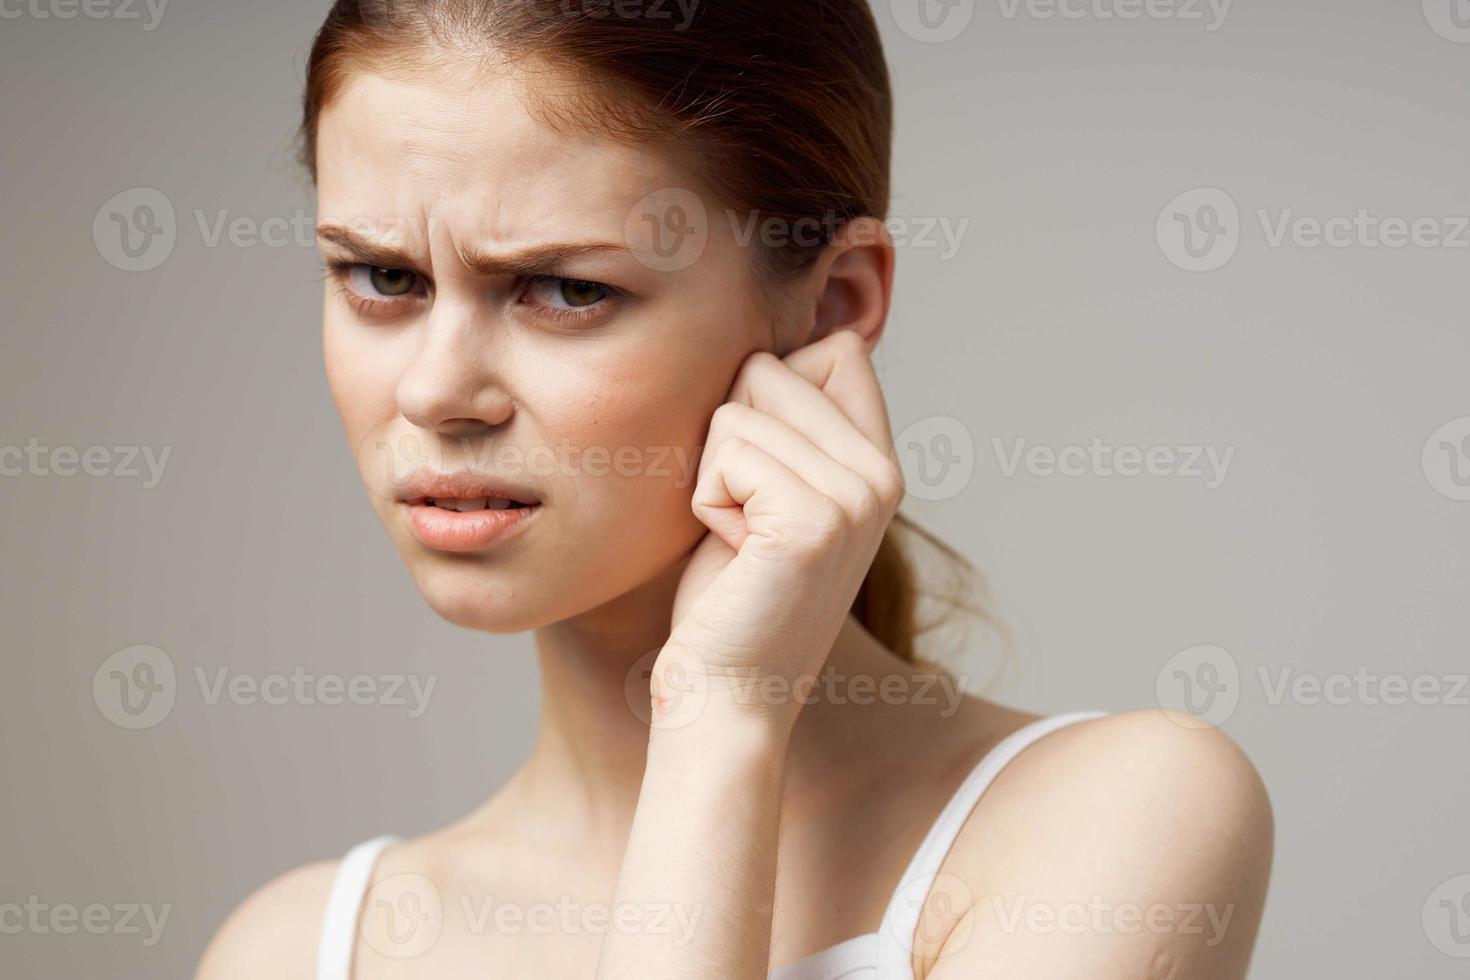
x,y
690,695
721,748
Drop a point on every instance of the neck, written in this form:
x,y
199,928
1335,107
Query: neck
x,y
593,736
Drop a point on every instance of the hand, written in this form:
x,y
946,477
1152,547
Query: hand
x,y
797,484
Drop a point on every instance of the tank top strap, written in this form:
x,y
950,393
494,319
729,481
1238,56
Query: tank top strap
x,y
901,920
339,924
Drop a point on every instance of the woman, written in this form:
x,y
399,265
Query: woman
x,y
569,244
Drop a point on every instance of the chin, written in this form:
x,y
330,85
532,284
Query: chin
x,y
471,599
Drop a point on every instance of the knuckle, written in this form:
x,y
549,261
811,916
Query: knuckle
x,y
871,506
718,454
728,415
755,365
892,487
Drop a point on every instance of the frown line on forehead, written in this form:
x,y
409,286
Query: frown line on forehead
x,y
525,260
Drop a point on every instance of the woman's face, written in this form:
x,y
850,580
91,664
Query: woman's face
x,y
500,322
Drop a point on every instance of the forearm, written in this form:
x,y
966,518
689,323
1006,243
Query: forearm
x,y
702,851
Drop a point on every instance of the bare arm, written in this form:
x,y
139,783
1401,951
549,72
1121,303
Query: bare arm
x,y
797,487
1134,846
702,848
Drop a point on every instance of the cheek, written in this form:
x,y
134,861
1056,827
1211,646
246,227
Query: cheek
x,y
643,406
630,432
632,425
362,373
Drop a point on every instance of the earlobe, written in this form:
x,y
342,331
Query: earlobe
x,y
855,282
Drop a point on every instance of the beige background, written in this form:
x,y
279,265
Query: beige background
x,y
1330,546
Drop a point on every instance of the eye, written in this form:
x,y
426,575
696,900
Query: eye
x,y
567,294
371,281
378,291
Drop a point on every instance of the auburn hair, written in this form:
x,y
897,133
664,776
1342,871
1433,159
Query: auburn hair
x,y
781,108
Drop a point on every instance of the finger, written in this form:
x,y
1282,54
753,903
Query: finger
x,y
748,493
841,366
769,385
797,453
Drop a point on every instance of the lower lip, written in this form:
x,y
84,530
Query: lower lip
x,y
449,530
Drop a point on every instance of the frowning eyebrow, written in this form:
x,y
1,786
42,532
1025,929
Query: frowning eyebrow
x,y
521,262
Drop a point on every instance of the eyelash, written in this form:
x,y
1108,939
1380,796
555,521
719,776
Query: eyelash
x,y
340,274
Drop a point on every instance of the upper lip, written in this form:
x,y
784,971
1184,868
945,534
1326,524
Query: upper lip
x,y
461,486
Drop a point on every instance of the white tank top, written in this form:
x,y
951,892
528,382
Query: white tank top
x,y
882,955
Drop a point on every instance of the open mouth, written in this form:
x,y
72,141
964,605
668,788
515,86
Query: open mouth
x,y
465,511
468,505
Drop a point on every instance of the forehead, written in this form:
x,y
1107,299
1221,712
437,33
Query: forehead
x,y
468,150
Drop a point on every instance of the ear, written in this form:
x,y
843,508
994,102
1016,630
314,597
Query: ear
x,y
853,282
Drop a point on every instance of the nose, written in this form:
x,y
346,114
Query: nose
x,y
450,387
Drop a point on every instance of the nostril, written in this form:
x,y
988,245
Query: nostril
x,y
452,427
462,427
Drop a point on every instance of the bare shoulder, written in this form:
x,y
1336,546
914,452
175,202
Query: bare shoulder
x,y
1134,844
1140,765
275,931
